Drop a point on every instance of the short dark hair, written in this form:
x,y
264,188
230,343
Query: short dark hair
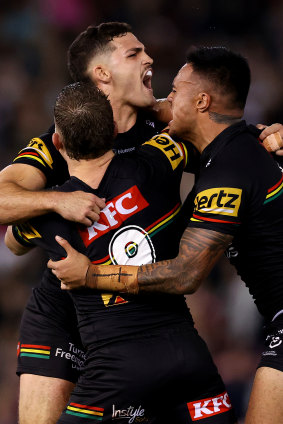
x,y
84,117
228,71
94,40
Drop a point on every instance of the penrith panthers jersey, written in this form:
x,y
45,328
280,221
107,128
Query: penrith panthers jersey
x,y
240,192
138,226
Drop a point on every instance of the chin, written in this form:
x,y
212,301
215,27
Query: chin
x,y
172,132
146,100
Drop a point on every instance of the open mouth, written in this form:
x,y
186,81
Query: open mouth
x,y
147,79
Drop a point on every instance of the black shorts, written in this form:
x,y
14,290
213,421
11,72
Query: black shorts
x,y
272,356
161,377
49,342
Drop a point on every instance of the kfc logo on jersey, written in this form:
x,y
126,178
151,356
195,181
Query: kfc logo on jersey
x,y
219,200
114,214
205,408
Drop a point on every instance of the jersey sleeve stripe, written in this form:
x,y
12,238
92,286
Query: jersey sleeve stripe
x,y
103,261
17,233
276,185
201,218
163,221
94,408
274,192
273,197
30,156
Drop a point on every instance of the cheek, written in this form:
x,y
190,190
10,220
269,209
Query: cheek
x,y
180,110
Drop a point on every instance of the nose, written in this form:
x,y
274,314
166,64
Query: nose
x,y
147,59
170,98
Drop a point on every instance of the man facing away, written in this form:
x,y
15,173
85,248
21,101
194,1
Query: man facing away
x,y
237,208
145,361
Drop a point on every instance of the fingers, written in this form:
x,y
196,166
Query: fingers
x,y
261,126
51,264
64,286
270,130
93,214
92,217
100,203
64,244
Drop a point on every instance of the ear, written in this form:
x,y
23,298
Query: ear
x,y
203,102
56,138
100,74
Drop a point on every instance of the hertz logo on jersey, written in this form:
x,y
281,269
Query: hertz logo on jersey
x,y
36,150
219,201
175,152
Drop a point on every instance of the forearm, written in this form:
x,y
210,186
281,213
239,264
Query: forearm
x,y
121,278
18,204
199,251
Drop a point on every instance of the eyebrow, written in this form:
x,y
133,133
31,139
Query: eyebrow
x,y
136,49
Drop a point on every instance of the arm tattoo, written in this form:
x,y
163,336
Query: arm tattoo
x,y
199,251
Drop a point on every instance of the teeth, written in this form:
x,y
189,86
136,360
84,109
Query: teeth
x,y
148,73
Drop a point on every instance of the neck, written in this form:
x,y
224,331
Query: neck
x,y
209,126
90,171
207,134
125,116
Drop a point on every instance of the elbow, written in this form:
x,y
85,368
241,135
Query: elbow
x,y
12,245
187,279
14,250
188,284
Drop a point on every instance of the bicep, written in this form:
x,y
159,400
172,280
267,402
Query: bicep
x,y
13,245
25,176
199,242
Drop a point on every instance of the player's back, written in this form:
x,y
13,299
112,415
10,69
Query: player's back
x,y
138,226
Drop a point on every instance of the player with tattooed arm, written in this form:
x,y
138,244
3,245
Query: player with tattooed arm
x,y
238,202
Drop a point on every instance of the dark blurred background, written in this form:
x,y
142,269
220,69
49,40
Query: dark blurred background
x,y
34,37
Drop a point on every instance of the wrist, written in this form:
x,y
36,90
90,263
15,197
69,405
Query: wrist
x,y
49,200
117,278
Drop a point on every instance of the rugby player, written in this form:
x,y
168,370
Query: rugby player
x,y
145,361
115,60
237,208
121,68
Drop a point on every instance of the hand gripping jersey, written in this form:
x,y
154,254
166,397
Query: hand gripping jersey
x,y
240,192
138,226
